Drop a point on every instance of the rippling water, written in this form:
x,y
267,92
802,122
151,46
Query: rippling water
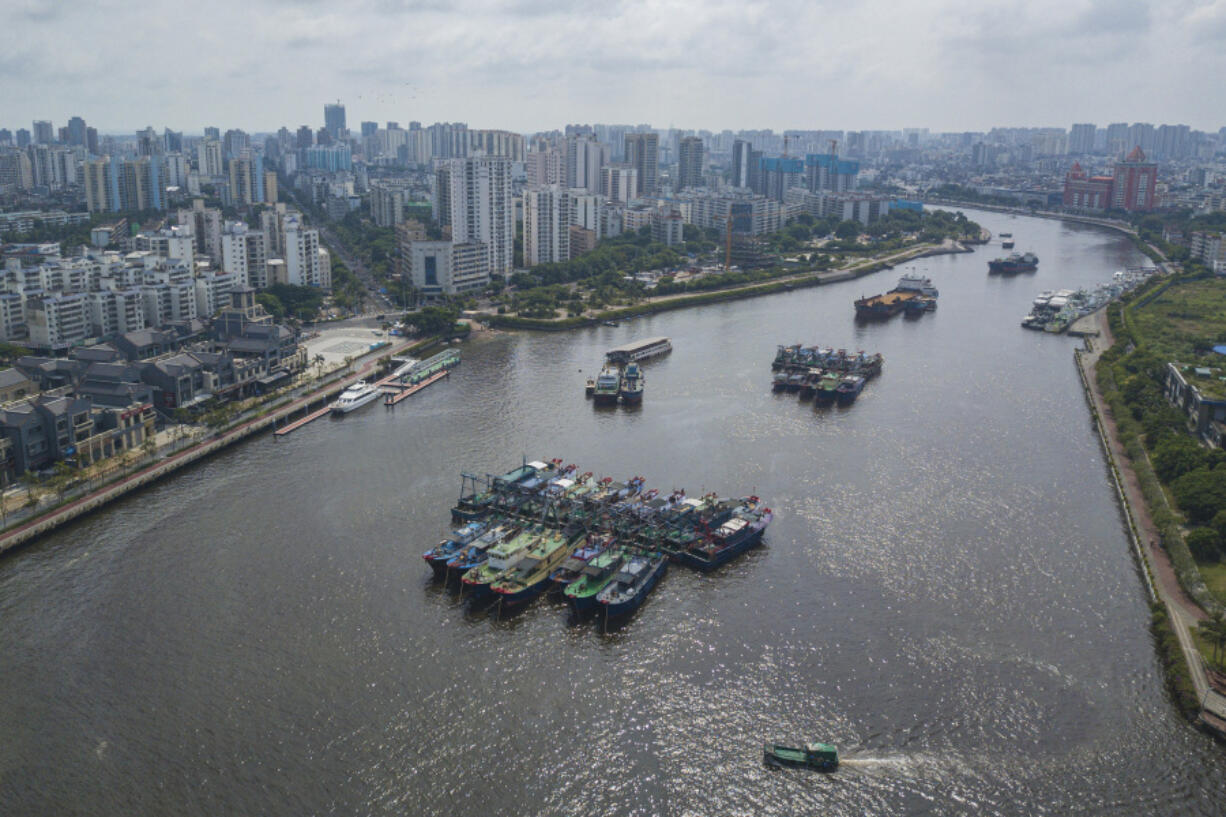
x,y
946,593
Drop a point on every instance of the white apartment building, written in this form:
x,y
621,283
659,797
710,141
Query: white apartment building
x,y
56,322
473,197
115,311
302,258
213,291
619,182
244,255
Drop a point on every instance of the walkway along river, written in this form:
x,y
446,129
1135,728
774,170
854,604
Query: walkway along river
x,y
947,593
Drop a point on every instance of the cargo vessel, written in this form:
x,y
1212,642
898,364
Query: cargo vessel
x,y
608,386
877,307
1014,263
632,382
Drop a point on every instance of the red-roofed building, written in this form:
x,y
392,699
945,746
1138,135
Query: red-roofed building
x,y
1085,192
1132,187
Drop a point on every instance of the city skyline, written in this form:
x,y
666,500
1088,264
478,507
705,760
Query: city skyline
x,y
945,65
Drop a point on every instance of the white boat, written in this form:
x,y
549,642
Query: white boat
x,y
356,396
914,282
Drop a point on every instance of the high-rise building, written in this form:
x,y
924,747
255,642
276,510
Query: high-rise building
x,y
369,129
619,182
689,163
302,257
208,157
334,119
1081,139
584,159
76,131
244,254
741,163
235,142
643,152
23,137
545,167
91,140
779,174
305,137
497,143
473,198
826,171
44,134
549,213
97,185
1135,182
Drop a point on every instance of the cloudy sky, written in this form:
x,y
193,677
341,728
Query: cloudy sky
x,y
538,64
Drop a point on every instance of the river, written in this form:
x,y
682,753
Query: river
x,y
947,593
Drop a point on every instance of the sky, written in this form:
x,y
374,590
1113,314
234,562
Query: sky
x,y
529,65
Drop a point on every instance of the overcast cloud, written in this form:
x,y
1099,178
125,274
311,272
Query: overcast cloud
x,y
538,64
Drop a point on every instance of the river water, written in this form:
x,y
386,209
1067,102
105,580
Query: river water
x,y
946,593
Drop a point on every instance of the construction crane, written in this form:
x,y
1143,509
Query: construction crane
x,y
834,147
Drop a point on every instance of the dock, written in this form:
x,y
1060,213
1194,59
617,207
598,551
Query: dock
x,y
301,421
393,398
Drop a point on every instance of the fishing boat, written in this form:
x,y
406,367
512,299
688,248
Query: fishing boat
x,y
608,385
821,756
438,556
632,383
477,551
590,387
632,584
741,532
354,397
827,389
594,577
849,389
501,558
530,575
570,570
780,381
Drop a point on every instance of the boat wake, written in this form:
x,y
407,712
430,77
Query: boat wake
x,y
919,765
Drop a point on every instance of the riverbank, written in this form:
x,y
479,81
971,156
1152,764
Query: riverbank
x,y
807,278
1175,614
266,419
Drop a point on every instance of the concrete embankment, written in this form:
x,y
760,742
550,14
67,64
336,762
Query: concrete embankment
x,y
74,509
1161,584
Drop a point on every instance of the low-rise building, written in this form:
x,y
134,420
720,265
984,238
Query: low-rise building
x,y
1198,393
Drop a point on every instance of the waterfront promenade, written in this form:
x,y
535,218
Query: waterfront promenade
x,y
161,467
1184,613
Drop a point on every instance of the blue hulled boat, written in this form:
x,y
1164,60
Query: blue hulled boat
x,y
849,389
741,532
631,586
439,555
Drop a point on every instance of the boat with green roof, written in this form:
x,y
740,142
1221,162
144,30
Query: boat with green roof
x,y
821,756
501,558
530,575
595,576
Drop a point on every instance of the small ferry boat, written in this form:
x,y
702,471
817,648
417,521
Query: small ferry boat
x,y
631,586
608,386
354,397
821,756
632,384
590,386
439,555
1006,243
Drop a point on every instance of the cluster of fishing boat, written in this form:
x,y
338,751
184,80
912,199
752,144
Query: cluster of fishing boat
x,y
1053,311
827,375
602,545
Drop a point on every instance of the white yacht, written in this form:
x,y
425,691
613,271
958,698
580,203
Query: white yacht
x,y
356,396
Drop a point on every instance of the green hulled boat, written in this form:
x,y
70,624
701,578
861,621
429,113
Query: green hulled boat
x,y
821,756
581,593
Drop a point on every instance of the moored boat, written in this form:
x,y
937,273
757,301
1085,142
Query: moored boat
x,y
594,577
632,584
438,556
732,538
914,282
827,389
571,569
882,306
477,551
821,756
354,397
501,558
608,385
849,389
632,383
530,575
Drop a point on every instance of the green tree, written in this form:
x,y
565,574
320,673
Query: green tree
x,y
1201,493
1214,631
847,230
272,303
